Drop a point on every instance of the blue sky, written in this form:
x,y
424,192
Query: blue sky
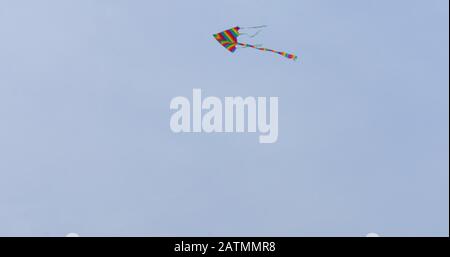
x,y
86,147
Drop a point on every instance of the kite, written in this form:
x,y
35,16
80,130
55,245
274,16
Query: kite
x,y
229,40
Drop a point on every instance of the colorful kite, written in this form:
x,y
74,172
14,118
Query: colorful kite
x,y
228,39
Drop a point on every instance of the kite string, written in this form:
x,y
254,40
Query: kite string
x,y
255,27
251,36
256,33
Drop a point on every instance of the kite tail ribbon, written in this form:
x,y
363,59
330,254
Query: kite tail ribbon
x,y
287,55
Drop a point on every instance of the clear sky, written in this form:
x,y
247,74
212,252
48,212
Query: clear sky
x,y
86,147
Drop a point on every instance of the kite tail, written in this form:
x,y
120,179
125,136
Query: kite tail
x,y
287,55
